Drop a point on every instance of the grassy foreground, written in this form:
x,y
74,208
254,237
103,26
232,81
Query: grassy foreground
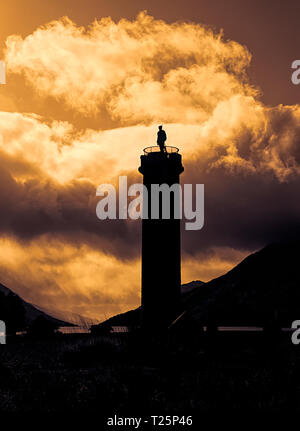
x,y
109,374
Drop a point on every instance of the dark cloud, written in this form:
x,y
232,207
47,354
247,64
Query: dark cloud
x,y
243,210
36,207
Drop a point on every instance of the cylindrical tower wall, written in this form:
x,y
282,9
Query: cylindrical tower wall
x,y
161,256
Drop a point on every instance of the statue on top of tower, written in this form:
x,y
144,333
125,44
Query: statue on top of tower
x,y
161,139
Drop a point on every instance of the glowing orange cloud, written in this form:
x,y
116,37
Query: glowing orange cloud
x,y
142,71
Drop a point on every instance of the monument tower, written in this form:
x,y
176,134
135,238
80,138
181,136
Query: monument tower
x,y
161,257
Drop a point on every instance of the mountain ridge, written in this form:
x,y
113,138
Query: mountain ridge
x,y
263,289
30,311
132,317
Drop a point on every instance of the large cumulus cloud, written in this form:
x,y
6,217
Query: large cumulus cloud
x,y
142,71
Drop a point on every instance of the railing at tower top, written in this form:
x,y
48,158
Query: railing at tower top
x,y
156,149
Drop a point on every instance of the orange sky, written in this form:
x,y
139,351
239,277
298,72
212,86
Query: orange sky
x,y
84,97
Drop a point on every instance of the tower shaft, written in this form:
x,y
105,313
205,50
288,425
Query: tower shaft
x,y
161,256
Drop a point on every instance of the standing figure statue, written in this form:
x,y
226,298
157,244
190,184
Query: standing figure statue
x,y
161,139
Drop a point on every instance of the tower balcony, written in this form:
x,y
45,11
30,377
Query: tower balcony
x,y
161,166
155,149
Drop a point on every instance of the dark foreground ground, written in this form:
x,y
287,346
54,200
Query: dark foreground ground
x,y
109,374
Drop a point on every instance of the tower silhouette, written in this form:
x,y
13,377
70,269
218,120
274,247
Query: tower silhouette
x,y
161,257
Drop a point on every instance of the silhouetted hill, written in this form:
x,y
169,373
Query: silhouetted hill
x,y
132,317
188,287
19,314
129,318
74,318
264,289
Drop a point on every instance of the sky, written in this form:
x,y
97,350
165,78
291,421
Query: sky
x,y
87,84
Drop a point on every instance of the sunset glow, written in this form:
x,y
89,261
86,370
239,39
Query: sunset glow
x,y
80,104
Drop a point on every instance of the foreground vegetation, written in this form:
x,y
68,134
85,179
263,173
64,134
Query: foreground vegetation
x,y
106,374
